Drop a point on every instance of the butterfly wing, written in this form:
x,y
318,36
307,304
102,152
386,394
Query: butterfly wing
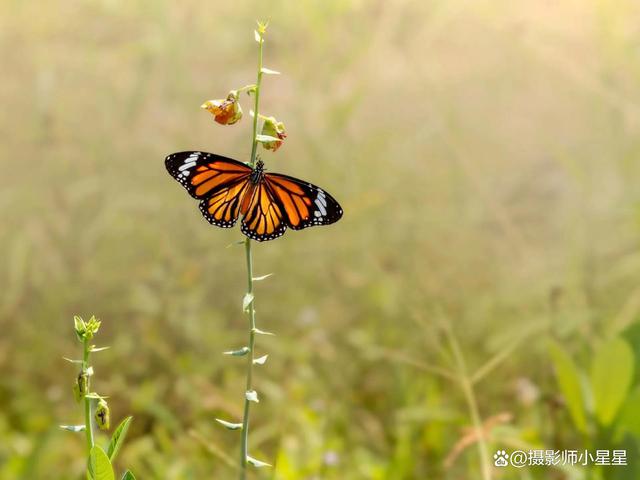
x,y
218,182
304,204
263,217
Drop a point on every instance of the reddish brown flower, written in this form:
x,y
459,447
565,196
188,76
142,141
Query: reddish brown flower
x,y
225,112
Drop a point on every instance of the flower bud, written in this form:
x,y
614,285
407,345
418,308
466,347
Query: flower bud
x,y
102,415
225,112
272,128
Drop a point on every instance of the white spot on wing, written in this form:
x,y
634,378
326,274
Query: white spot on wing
x,y
323,211
186,166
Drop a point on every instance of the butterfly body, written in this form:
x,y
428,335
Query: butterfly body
x,y
269,203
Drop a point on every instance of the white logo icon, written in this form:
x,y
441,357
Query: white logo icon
x,y
500,458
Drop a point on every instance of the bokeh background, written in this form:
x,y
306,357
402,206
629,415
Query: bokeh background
x,y
481,292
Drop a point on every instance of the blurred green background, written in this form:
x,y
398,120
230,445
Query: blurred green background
x,y
482,291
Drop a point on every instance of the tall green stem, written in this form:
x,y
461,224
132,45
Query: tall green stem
x,y
88,426
244,447
472,404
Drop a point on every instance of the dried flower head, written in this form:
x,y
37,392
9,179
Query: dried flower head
x,y
225,112
274,129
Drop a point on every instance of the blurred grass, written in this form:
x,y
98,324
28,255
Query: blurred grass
x,y
486,155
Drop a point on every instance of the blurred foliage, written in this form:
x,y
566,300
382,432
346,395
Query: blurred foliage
x,y
486,156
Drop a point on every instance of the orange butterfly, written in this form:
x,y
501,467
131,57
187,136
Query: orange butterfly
x,y
268,202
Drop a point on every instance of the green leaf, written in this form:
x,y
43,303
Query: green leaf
x,y
233,244
95,349
629,419
258,279
268,71
246,301
257,463
117,439
611,375
70,360
128,476
99,465
262,332
73,428
261,360
266,138
229,425
238,353
252,396
79,327
94,396
569,383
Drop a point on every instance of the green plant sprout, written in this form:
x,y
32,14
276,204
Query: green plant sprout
x,y
99,463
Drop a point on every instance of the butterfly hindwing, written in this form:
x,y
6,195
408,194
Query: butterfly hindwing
x,y
223,207
304,204
263,219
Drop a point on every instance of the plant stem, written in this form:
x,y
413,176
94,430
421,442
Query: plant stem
x,y
244,447
88,425
467,388
254,140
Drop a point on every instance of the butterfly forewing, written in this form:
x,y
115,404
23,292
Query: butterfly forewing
x,y
204,174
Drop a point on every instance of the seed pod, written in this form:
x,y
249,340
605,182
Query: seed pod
x,y
81,388
102,415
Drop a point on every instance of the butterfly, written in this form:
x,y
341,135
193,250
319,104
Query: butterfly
x,y
268,202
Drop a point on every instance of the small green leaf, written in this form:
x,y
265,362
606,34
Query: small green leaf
x,y
71,360
128,476
117,439
99,465
268,71
73,428
569,383
252,396
95,396
95,349
229,425
261,360
238,353
258,279
611,376
266,138
262,332
79,326
246,301
257,463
